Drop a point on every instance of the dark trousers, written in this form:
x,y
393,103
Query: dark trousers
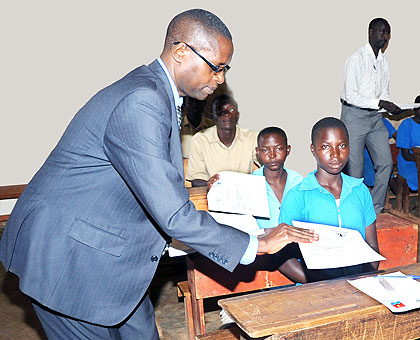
x,y
139,325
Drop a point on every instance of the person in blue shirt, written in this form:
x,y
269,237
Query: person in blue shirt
x,y
328,196
409,137
368,169
272,151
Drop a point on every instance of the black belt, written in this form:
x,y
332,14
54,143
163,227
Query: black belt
x,y
356,107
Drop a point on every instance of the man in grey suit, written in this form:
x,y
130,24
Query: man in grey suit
x,y
87,234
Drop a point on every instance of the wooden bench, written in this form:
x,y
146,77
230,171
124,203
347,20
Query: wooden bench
x,y
8,192
397,239
232,333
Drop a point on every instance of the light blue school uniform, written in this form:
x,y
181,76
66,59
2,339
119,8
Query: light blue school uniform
x,y
408,136
310,202
293,178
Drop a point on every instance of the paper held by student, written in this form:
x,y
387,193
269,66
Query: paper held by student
x,y
246,223
399,293
337,247
239,193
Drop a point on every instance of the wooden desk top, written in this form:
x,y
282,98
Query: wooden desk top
x,y
322,310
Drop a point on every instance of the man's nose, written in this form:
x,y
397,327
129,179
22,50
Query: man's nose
x,y
219,77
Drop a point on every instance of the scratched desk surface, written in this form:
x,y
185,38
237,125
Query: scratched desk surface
x,y
323,310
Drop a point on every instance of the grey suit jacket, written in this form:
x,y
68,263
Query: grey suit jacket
x,y
87,234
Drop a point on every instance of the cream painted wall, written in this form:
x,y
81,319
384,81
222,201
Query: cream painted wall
x,y
287,68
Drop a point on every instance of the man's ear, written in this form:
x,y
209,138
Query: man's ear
x,y
178,52
289,148
312,148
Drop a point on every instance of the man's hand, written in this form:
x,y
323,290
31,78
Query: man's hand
x,y
281,236
211,180
389,107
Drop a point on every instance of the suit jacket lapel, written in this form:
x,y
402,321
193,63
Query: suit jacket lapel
x,y
175,139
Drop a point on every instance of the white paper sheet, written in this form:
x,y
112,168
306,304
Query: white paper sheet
x,y
397,294
246,223
235,192
404,107
337,247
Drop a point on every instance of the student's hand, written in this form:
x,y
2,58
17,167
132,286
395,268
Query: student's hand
x,y
390,107
211,180
281,236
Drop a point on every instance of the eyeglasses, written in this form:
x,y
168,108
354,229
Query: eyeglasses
x,y
216,69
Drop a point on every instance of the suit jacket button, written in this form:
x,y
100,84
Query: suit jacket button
x,y
154,258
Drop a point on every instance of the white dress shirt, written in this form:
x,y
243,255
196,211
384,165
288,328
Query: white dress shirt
x,y
366,78
251,251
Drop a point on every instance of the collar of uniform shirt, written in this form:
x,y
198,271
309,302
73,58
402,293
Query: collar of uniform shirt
x,y
178,100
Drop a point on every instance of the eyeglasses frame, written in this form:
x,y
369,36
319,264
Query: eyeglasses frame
x,y
215,69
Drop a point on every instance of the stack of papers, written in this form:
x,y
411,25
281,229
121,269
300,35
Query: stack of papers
x,y
234,199
398,292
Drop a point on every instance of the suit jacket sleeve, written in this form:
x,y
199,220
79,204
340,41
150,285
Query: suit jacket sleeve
x,y
137,142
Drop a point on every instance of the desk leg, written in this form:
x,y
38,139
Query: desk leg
x,y
196,304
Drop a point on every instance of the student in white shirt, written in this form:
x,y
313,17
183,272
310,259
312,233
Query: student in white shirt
x,y
366,91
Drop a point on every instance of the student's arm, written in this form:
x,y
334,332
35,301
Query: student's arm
x,y
407,155
404,141
372,240
198,183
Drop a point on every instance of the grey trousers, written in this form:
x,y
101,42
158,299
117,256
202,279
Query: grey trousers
x,y
139,325
366,128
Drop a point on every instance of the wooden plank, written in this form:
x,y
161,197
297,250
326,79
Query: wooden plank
x,y
198,195
11,191
319,308
211,280
397,239
377,326
232,333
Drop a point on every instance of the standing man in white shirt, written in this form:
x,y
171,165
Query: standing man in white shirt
x,y
366,91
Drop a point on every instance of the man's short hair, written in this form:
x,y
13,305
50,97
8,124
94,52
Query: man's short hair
x,y
272,130
208,21
220,101
417,100
375,22
330,123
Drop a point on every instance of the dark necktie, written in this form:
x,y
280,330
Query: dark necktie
x,y
179,116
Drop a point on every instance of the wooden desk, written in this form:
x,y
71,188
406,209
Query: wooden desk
x,y
397,240
322,310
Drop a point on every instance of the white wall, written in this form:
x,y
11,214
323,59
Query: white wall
x,y
287,68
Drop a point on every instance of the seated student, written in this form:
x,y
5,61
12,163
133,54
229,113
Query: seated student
x,y
408,137
193,121
225,146
328,196
272,151
369,170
